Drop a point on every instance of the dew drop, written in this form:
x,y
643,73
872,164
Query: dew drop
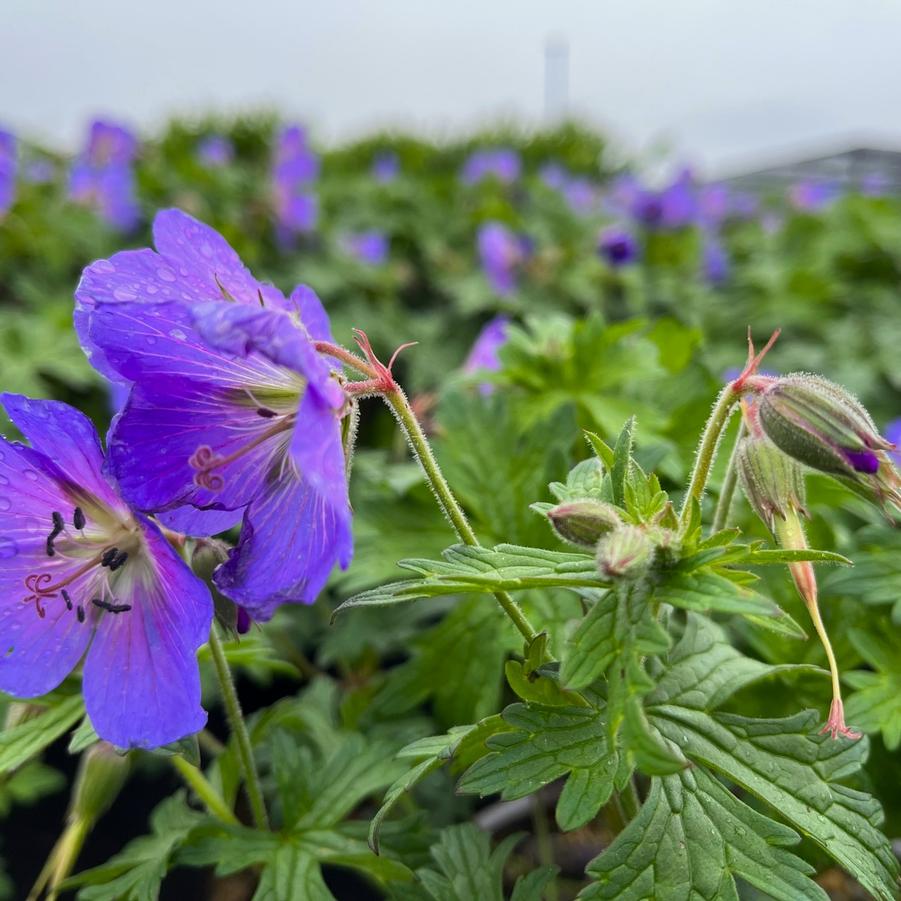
x,y
167,275
4,480
103,266
178,334
8,548
31,475
124,294
5,503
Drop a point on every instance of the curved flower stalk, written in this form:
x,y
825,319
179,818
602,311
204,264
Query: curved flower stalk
x,y
232,413
86,577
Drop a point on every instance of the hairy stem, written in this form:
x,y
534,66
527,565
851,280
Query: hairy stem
x,y
239,730
706,454
201,787
724,504
422,450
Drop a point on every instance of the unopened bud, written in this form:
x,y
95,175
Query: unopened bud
x,y
772,481
822,426
102,772
625,553
584,522
206,556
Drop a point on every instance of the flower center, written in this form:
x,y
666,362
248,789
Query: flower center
x,y
102,547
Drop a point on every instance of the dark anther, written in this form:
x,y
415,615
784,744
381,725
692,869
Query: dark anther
x,y
109,606
266,413
78,519
66,598
79,612
118,561
58,526
109,555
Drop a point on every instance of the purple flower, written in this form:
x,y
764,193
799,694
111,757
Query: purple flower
x,y
84,576
40,172
812,196
501,252
581,195
102,176
554,176
8,165
370,247
484,355
617,246
294,170
231,411
502,163
215,151
715,259
385,167
874,184
673,207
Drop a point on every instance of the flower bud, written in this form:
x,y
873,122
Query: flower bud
x,y
101,774
584,522
824,427
772,482
625,553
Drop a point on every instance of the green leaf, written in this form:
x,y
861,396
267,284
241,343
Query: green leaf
x,y
439,749
617,625
784,762
292,873
875,706
622,463
773,556
706,591
23,742
467,867
543,744
691,838
467,570
532,886
83,737
136,872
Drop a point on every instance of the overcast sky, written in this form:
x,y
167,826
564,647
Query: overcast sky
x,y
722,81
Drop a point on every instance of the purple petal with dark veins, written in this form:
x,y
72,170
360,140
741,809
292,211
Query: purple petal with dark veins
x,y
141,680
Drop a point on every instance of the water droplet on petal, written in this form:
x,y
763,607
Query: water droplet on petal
x,y
31,475
178,334
5,503
166,274
124,294
4,480
8,548
103,266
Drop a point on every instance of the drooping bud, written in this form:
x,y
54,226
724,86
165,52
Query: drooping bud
x,y
584,522
772,481
826,428
625,553
101,774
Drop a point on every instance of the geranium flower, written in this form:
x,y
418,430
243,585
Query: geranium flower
x,y
8,166
501,252
484,355
85,576
617,246
231,409
294,170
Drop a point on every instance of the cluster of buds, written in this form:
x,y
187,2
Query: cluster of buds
x,y
799,421
623,551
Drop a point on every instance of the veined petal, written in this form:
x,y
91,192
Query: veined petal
x,y
68,441
312,313
200,523
290,541
154,443
129,276
206,261
317,450
144,341
141,680
241,331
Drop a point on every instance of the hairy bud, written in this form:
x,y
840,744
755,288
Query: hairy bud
x,y
821,425
625,553
772,482
584,522
101,774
